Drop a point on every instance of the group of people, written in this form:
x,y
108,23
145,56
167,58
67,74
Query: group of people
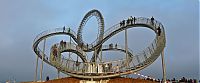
x,y
62,44
182,80
65,29
158,30
130,20
55,49
111,46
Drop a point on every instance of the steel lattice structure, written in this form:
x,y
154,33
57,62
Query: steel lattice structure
x,y
91,68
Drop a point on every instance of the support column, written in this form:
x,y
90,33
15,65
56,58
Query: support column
x,y
101,55
95,55
95,61
163,67
41,68
70,47
58,74
35,77
126,48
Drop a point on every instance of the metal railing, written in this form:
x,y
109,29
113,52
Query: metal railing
x,y
56,30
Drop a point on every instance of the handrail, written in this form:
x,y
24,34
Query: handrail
x,y
56,30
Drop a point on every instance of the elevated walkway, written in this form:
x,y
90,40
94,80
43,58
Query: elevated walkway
x,y
87,69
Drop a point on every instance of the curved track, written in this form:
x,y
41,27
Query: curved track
x,y
99,70
100,20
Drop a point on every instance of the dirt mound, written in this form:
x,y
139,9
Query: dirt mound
x,y
113,80
129,80
64,80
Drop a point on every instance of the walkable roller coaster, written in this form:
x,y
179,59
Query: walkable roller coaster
x,y
95,68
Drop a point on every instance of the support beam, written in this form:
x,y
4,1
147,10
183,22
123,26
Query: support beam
x,y
58,74
138,59
126,48
163,67
101,54
70,47
35,77
41,68
95,55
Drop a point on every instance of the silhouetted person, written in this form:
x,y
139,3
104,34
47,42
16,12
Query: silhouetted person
x,y
61,44
47,78
110,45
158,30
173,80
69,30
158,80
127,22
64,43
63,28
77,63
87,46
152,20
183,79
134,19
131,20
123,23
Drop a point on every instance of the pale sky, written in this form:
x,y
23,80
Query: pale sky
x,y
22,20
